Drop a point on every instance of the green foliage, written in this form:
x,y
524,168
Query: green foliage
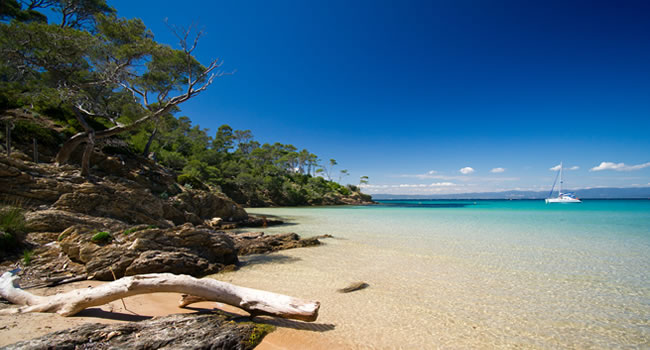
x,y
137,228
27,257
191,182
12,227
25,131
248,172
85,72
101,237
172,159
12,219
130,231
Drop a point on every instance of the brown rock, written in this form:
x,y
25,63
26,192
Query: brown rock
x,y
157,261
53,220
258,242
184,331
183,250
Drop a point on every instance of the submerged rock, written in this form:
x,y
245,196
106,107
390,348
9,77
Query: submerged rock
x,y
354,287
183,331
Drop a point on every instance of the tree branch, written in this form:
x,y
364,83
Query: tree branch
x,y
254,301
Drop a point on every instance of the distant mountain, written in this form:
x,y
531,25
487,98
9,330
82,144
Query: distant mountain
x,y
585,193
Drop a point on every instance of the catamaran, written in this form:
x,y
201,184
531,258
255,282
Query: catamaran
x,y
562,197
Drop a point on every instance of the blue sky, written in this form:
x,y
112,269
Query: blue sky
x,y
411,92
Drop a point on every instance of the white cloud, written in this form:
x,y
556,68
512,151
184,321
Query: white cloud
x,y
619,166
467,170
557,167
441,184
431,172
435,184
497,170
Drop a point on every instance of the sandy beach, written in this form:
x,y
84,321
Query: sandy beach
x,y
17,327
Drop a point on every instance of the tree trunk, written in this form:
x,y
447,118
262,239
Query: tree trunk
x,y
88,151
145,153
63,156
256,302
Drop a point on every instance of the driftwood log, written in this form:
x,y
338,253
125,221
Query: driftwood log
x,y
254,301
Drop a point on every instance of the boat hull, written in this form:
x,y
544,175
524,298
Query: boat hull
x,y
563,200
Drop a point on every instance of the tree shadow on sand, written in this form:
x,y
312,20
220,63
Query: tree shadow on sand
x,y
277,322
111,315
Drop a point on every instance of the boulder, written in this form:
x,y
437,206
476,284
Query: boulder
x,y
184,331
258,243
181,250
207,205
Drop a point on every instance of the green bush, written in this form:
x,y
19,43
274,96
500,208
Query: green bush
x,y
27,257
25,131
173,160
102,237
344,191
12,228
12,220
191,182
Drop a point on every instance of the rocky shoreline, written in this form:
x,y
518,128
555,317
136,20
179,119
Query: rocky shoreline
x,y
130,218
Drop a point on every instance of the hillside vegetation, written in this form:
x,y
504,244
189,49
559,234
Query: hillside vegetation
x,y
83,80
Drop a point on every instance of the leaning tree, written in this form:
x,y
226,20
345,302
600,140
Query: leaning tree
x,y
113,77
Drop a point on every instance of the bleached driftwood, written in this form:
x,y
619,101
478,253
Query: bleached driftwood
x,y
254,301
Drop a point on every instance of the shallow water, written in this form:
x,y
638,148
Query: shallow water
x,y
484,274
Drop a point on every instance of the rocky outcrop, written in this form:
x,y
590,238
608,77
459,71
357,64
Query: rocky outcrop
x,y
140,193
183,331
199,206
258,243
55,220
181,250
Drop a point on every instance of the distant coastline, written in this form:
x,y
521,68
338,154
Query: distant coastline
x,y
590,193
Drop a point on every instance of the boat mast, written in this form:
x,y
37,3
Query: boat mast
x,y
559,193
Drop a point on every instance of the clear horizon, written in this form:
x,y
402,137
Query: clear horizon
x,y
432,97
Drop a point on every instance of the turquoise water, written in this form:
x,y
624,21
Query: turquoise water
x,y
470,274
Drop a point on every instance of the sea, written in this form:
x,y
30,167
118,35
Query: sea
x,y
465,274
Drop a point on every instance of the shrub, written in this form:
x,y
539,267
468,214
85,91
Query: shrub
x,y
24,131
102,237
344,191
27,257
191,182
12,227
173,160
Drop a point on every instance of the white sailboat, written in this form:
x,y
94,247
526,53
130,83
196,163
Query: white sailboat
x,y
562,197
